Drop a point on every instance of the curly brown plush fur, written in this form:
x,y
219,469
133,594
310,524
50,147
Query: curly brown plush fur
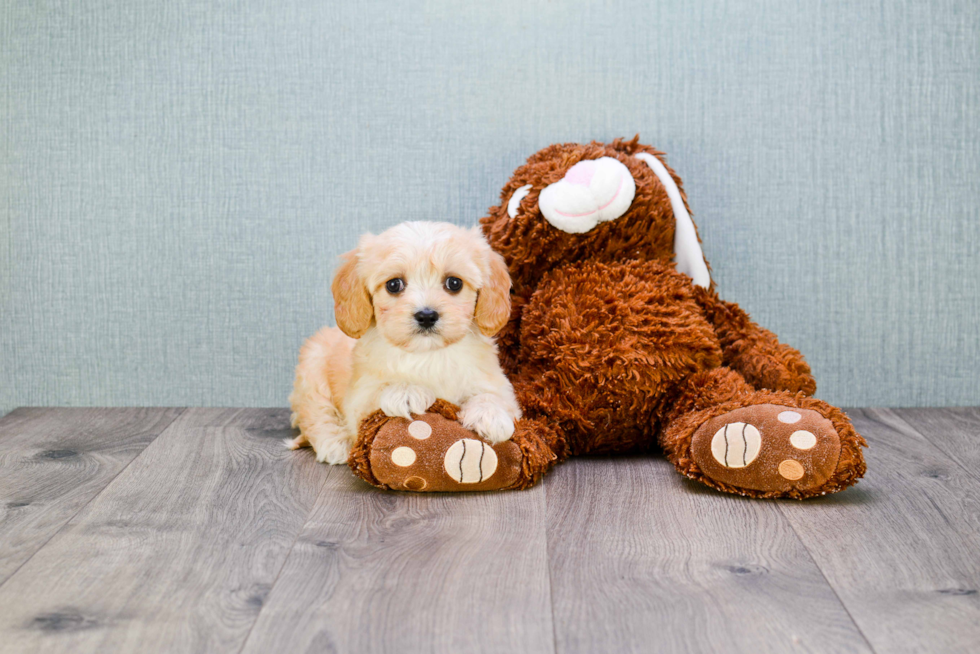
x,y
616,350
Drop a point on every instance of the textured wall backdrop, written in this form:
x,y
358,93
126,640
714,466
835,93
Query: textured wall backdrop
x,y
177,178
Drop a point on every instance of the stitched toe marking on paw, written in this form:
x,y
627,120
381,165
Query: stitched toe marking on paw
x,y
470,461
803,440
419,430
403,456
736,445
789,417
791,469
415,484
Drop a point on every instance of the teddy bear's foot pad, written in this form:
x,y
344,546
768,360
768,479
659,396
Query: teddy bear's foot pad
x,y
432,453
768,448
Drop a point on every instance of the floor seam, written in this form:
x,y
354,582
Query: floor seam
x,y
824,576
970,473
289,554
74,515
551,585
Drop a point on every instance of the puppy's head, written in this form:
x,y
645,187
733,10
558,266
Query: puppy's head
x,y
423,284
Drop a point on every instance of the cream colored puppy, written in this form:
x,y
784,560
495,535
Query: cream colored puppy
x,y
416,307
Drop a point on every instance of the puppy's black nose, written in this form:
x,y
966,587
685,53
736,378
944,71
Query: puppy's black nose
x,y
426,318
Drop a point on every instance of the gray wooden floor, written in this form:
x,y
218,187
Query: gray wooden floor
x,y
145,530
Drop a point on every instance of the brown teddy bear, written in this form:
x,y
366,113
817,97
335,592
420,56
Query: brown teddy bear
x,y
618,343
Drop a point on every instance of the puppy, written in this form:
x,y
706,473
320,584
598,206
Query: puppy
x,y
417,307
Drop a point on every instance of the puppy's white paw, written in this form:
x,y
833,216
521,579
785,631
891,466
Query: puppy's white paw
x,y
402,400
333,450
485,416
295,443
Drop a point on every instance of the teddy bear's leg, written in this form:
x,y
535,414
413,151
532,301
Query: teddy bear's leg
x,y
719,430
754,351
433,452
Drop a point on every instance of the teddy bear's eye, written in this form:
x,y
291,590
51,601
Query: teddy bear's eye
x,y
515,200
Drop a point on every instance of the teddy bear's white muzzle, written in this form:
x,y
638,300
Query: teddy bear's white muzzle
x,y
592,191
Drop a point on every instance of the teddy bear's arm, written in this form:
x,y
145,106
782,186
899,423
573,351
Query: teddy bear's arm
x,y
754,351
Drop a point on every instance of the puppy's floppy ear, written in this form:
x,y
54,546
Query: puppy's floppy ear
x,y
352,306
493,300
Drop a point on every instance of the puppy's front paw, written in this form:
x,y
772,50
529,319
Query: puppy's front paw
x,y
484,415
332,450
402,400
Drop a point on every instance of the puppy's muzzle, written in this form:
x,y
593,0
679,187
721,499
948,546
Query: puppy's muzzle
x,y
426,318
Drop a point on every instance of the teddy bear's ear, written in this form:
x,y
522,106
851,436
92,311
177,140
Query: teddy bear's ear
x,y
687,249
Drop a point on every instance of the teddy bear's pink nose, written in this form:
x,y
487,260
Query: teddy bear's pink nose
x,y
581,173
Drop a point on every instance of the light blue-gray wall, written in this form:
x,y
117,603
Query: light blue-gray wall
x,y
177,177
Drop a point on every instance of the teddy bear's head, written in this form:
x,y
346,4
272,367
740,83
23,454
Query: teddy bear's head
x,y
593,201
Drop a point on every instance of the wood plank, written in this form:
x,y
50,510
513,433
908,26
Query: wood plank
x,y
178,552
901,549
645,560
955,431
389,572
54,461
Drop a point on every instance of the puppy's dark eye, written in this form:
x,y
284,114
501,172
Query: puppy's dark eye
x,y
454,284
395,286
